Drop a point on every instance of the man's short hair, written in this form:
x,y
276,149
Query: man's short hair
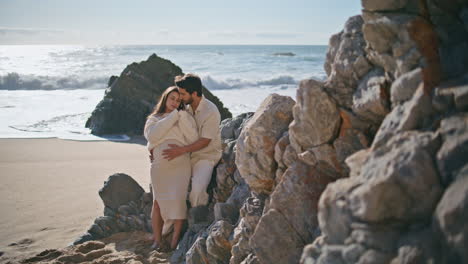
x,y
189,82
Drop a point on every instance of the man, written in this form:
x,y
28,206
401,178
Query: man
x,y
206,151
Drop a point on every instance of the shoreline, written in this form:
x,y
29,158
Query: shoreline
x,y
49,188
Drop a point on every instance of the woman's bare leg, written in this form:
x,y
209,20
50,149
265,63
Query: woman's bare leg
x,y
157,223
178,223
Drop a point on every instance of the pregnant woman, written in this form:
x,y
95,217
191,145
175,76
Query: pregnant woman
x,y
169,124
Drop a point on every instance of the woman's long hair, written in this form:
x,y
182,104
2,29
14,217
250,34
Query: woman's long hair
x,y
160,107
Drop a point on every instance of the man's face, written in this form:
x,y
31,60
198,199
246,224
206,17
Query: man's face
x,y
185,96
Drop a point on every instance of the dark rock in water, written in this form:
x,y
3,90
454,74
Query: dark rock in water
x,y
289,54
132,96
120,189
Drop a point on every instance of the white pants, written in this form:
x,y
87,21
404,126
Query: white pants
x,y
201,176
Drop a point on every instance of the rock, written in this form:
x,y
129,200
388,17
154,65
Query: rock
x,y
255,146
353,252
45,256
289,54
356,161
96,231
450,219
289,156
350,120
238,196
345,145
397,175
229,126
217,243
250,212
407,255
408,116
185,244
316,117
331,255
392,5
453,154
268,248
198,215
132,96
240,249
251,259
107,224
83,238
292,219
301,183
390,44
346,62
109,212
418,246
120,189
460,96
374,257
197,253
381,238
90,246
404,87
226,211
126,210
280,147
312,251
449,23
371,99
334,216
225,170
327,161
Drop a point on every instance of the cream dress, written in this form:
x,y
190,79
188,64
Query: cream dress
x,y
170,179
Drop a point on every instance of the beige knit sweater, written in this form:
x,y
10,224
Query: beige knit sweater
x,y
177,125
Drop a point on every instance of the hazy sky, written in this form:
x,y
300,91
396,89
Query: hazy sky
x,y
173,22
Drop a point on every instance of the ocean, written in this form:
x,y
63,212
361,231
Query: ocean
x,y
50,91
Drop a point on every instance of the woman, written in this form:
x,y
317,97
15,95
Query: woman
x,y
169,124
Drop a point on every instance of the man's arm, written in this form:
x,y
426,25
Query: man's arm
x,y
175,151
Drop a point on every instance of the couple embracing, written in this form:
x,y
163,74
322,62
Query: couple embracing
x,y
185,144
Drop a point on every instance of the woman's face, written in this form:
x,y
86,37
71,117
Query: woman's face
x,y
173,101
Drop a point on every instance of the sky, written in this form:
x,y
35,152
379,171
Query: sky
x,y
250,22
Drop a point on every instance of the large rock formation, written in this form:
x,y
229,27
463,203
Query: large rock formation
x,y
405,199
255,146
131,97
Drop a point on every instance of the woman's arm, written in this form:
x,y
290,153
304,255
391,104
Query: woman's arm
x,y
156,128
188,127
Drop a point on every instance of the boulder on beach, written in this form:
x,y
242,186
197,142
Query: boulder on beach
x,y
131,97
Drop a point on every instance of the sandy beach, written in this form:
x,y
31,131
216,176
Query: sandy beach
x,y
49,189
